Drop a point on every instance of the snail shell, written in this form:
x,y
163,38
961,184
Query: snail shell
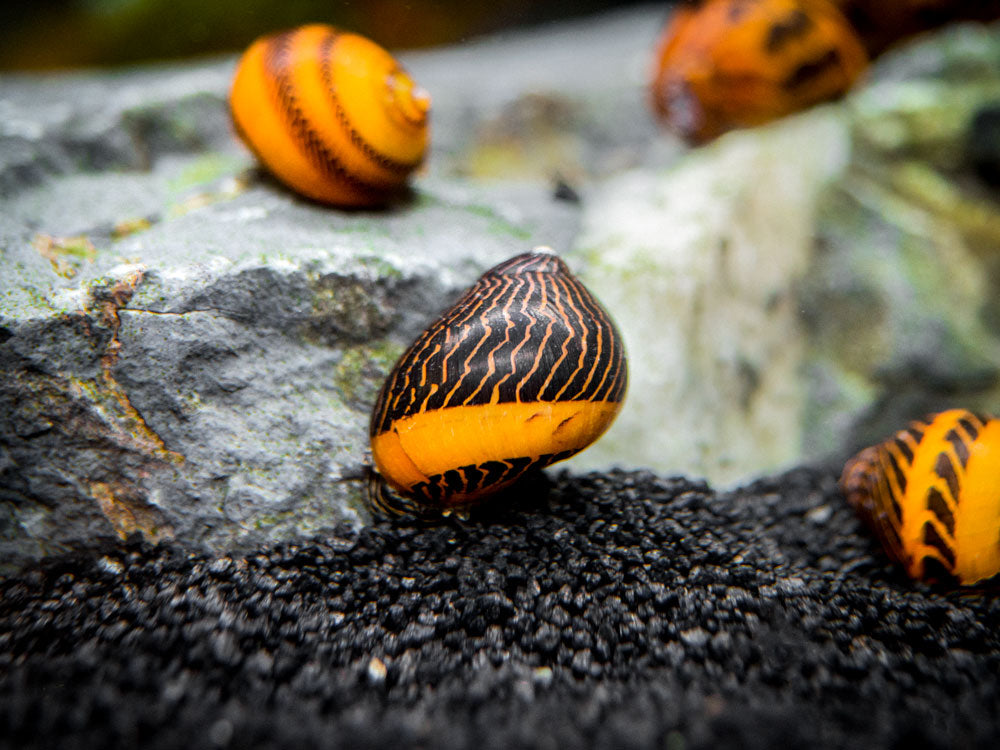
x,y
931,494
331,114
524,370
725,64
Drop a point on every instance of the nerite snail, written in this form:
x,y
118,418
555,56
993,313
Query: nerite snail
x,y
725,64
526,369
931,494
331,114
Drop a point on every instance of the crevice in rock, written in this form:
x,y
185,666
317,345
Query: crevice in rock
x,y
108,301
172,314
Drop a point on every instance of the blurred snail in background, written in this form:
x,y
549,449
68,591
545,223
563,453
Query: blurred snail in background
x,y
526,369
931,494
331,114
726,64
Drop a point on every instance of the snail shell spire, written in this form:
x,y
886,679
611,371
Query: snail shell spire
x,y
331,114
931,494
524,370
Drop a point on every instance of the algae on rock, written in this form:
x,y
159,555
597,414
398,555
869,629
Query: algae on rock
x,y
701,265
794,292
188,351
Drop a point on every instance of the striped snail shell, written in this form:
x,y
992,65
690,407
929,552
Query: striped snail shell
x,y
931,494
331,114
524,370
725,64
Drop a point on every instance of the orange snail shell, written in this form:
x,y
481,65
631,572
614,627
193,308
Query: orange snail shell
x,y
331,114
725,64
526,369
931,494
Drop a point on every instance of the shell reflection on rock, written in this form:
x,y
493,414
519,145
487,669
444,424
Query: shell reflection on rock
x,y
331,114
725,64
524,370
931,493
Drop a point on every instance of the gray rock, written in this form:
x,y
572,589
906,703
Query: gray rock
x,y
188,350
797,291
700,262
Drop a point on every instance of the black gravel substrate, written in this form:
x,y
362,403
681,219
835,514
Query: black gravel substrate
x,y
618,610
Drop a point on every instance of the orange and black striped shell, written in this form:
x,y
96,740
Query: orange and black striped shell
x,y
725,64
524,370
331,114
931,494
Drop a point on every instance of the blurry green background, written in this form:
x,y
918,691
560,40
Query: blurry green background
x,y
46,34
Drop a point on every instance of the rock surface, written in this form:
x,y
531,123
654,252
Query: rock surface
x,y
190,352
701,263
798,291
901,299
616,610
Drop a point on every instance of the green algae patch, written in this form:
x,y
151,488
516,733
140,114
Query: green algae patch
x,y
498,225
380,267
346,308
132,225
66,254
359,374
205,169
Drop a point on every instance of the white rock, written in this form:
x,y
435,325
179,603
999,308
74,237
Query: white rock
x,y
699,266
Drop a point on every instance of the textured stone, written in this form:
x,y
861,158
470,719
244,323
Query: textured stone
x,y
188,350
901,300
700,263
793,292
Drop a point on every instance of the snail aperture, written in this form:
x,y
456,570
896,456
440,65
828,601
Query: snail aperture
x,y
331,114
931,494
526,369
